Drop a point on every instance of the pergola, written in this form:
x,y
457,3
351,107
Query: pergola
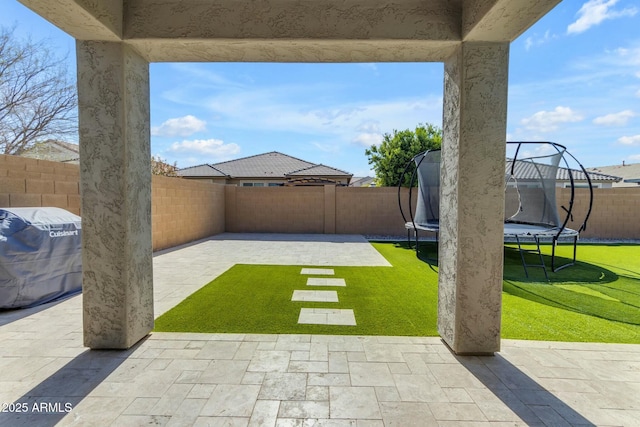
x,y
116,41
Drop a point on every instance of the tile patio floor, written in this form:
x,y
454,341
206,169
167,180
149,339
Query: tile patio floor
x,y
297,380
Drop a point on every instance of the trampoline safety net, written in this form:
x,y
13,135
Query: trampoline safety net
x,y
40,256
428,169
530,193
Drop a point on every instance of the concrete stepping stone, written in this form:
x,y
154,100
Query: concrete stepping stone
x,y
318,271
315,296
319,281
327,316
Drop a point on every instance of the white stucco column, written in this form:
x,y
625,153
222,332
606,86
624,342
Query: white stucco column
x,y
472,197
115,181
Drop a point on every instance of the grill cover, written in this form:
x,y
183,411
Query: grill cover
x,y
40,256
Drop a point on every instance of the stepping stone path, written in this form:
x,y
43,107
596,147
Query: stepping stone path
x,y
316,281
322,316
318,271
327,316
322,296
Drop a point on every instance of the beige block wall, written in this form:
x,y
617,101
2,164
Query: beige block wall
x,y
182,210
614,214
30,183
275,209
372,211
186,210
329,209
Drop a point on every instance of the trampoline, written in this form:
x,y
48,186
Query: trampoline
x,y
532,212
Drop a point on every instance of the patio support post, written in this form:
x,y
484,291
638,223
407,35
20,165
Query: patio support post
x,y
115,183
472,197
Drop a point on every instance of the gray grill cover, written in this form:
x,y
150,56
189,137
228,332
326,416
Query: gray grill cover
x,y
40,257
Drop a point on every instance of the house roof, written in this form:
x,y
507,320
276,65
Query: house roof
x,y
319,170
267,165
361,181
54,150
310,181
625,171
529,170
201,170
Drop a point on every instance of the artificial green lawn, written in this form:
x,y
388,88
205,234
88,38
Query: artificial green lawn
x,y
598,300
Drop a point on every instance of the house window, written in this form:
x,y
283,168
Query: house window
x,y
583,185
247,184
276,184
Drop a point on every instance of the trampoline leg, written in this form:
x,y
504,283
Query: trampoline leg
x,y
524,263
569,264
544,267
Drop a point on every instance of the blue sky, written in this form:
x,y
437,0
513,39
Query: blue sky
x,y
574,79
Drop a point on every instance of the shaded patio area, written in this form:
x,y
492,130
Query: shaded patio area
x,y
49,377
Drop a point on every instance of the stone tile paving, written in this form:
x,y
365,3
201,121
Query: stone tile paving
x,y
189,379
320,281
327,316
318,271
315,296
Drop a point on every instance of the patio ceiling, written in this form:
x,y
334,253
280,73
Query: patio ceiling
x,y
293,30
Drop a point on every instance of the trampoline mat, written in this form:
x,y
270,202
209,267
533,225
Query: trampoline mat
x,y
532,230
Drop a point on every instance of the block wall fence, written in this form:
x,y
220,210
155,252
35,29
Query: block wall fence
x,y
182,211
186,210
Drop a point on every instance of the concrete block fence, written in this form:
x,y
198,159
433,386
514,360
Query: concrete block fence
x,y
186,210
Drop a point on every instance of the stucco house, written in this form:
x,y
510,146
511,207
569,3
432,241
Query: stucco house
x,y
526,171
53,150
364,181
273,169
629,173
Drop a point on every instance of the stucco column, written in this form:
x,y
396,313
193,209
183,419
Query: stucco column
x,y
472,197
115,183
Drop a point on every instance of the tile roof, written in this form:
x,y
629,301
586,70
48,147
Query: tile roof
x,y
626,171
361,181
267,165
319,170
51,149
201,170
529,170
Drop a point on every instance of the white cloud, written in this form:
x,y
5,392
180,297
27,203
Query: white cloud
x,y
635,157
212,148
535,40
327,148
275,109
547,121
630,140
629,57
638,93
615,119
180,126
594,12
368,139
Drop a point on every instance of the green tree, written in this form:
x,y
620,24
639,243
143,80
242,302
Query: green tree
x,y
391,156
